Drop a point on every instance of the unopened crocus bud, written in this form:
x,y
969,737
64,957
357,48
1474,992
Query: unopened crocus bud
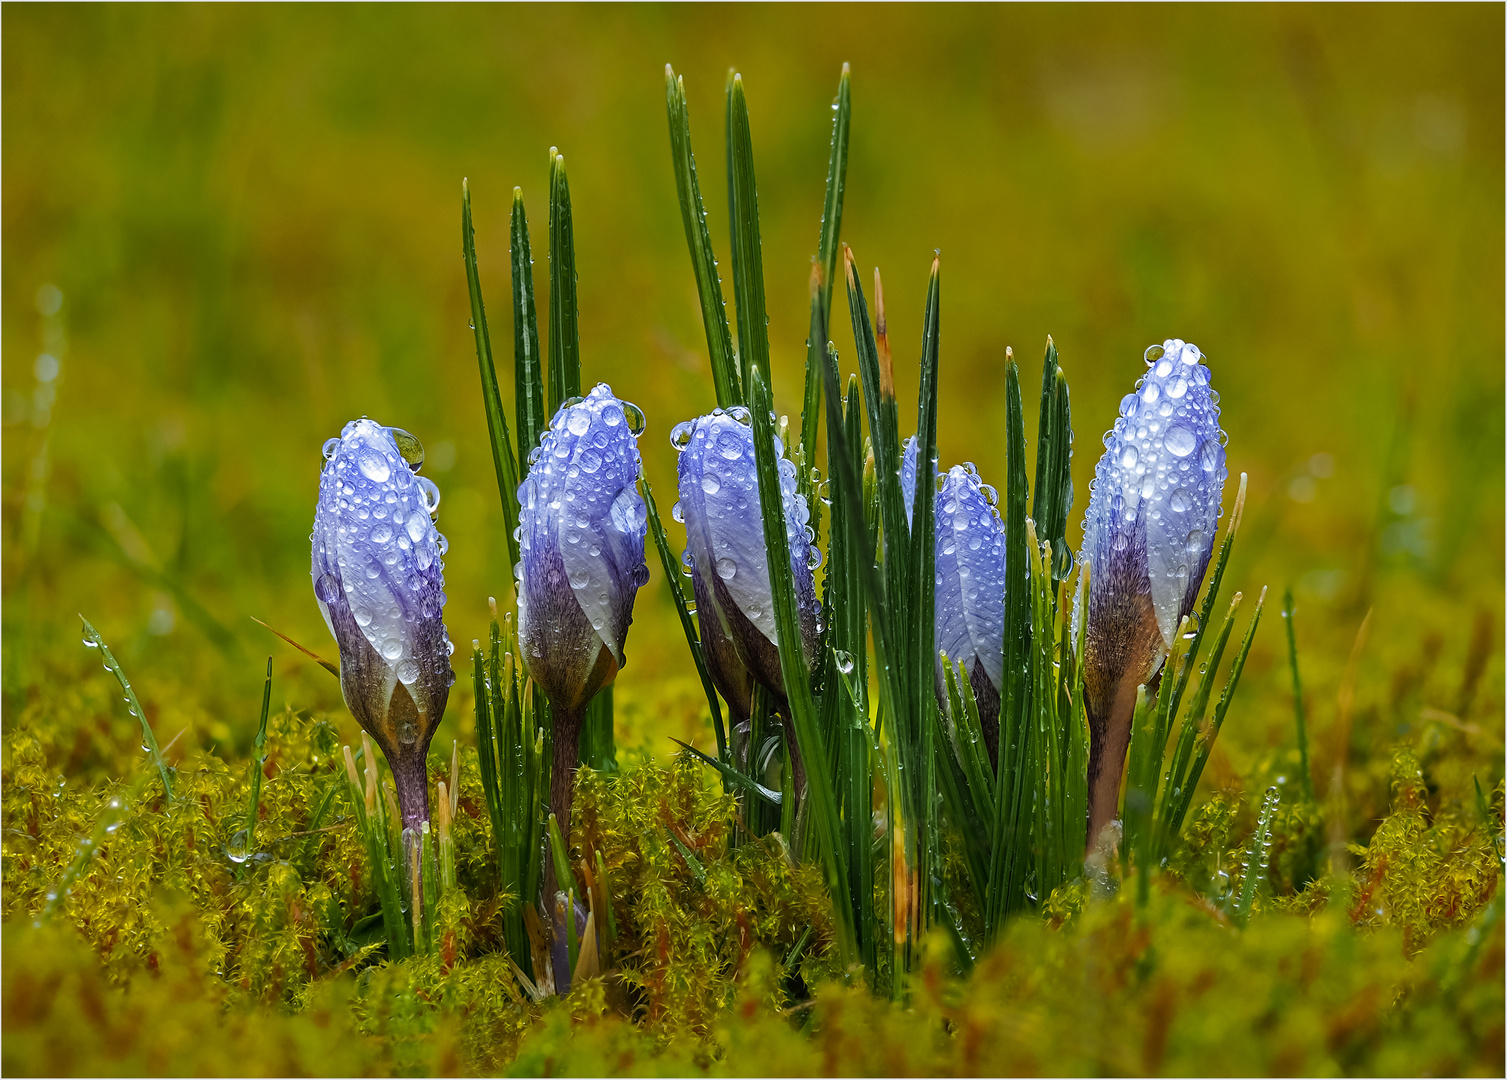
x,y
1147,537
719,505
581,529
969,585
378,577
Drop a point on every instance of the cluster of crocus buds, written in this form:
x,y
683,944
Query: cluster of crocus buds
x,y
1147,537
378,577
581,530
377,568
728,561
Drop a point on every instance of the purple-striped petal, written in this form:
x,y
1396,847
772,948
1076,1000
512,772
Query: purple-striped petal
x,y
582,525
378,576
719,504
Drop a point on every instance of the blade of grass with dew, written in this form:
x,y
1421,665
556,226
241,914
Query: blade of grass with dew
x,y
793,669
826,261
747,248
1053,494
732,776
1206,741
1005,892
108,821
528,365
719,344
1182,754
1256,857
258,763
1143,759
671,567
849,487
564,323
503,460
94,641
844,705
364,805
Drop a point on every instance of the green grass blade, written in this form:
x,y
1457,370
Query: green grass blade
x,y
671,566
564,326
826,258
719,343
1054,453
1008,841
748,257
733,776
802,709
149,737
528,365
1305,774
503,461
258,763
1257,856
1206,743
1182,755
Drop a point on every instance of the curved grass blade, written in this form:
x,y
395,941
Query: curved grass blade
x,y
564,326
748,257
733,776
719,343
328,665
258,763
497,424
94,641
1054,455
528,366
826,262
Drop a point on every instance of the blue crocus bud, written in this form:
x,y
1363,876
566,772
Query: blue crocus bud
x,y
970,592
378,577
1147,536
581,529
970,584
719,505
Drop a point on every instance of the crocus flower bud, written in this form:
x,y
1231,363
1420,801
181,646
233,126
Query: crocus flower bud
x,y
970,592
1147,537
719,505
970,585
581,534
378,578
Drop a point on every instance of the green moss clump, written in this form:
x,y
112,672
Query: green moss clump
x,y
168,955
1425,871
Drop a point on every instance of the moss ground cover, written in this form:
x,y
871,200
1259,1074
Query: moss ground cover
x,y
227,232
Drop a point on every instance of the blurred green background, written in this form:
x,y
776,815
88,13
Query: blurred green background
x,y
228,230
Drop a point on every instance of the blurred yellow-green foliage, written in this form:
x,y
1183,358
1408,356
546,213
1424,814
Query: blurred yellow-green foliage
x,y
230,229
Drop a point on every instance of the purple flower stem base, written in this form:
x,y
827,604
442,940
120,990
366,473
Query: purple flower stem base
x,y
411,778
564,757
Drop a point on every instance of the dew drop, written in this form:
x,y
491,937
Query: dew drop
x,y
1179,440
727,569
373,464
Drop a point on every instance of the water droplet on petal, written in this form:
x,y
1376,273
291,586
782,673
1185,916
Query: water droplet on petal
x,y
1179,440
